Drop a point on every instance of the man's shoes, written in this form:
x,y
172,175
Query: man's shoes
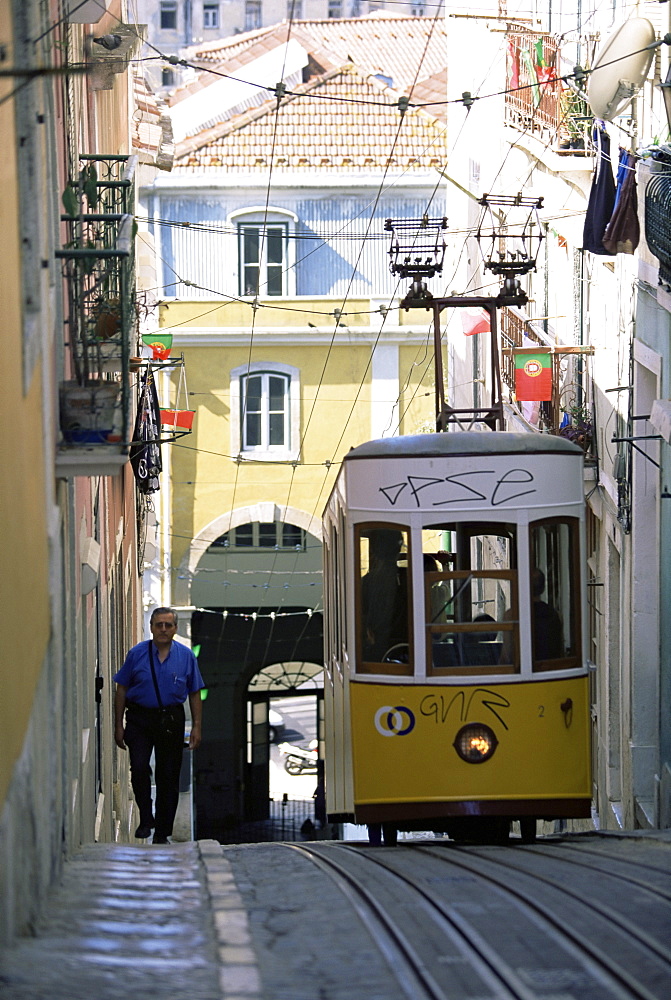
x,y
160,840
143,831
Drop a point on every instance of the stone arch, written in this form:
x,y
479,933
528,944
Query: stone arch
x,y
264,512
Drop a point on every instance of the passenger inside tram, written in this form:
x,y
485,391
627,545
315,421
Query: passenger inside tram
x,y
384,597
477,582
547,624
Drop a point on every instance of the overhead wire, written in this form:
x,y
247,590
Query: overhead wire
x,y
361,384
344,429
544,84
344,301
244,386
374,346
346,296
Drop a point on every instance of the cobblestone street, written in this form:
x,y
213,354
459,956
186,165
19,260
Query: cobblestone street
x,y
125,920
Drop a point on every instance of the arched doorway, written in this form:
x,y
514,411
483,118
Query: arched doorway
x,y
233,648
285,708
258,634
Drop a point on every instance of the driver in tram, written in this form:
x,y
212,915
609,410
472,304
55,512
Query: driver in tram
x,y
546,624
384,596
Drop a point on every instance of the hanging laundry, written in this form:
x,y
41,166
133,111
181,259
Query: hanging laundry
x,y
622,170
544,73
527,62
474,321
623,232
513,66
601,196
145,450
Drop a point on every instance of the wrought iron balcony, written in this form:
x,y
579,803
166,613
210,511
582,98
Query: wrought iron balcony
x,y
99,272
566,413
658,223
536,102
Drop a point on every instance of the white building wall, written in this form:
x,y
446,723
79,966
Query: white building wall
x,y
601,302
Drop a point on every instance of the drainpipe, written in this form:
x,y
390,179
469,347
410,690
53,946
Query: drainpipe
x,y
188,22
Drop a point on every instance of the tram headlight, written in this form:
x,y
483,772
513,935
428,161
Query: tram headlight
x,y
475,743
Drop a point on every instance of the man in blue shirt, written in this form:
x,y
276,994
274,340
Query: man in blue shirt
x,y
151,688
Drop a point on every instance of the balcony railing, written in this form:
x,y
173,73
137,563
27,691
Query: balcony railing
x,y
538,103
658,223
99,272
566,413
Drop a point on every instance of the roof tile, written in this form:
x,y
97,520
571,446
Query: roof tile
x,y
295,140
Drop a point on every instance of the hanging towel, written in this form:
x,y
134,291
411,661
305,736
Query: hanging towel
x,y
513,69
623,232
601,197
528,64
622,171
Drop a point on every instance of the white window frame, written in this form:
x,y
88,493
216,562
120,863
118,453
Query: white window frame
x,y
290,451
253,14
210,16
255,531
259,216
264,416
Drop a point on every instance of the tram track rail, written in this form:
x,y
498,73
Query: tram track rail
x,y
573,854
608,868
627,927
413,976
386,931
360,874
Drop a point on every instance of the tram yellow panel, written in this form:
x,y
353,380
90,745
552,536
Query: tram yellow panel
x,y
403,736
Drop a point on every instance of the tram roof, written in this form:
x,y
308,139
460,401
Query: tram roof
x,y
464,443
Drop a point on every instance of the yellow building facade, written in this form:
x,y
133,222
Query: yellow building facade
x,y
364,378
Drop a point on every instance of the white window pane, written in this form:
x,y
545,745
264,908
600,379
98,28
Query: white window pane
x,y
262,259
276,429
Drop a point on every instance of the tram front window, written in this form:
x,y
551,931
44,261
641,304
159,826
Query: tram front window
x,y
471,603
554,594
383,600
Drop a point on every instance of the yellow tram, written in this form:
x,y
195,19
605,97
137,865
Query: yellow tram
x,y
456,685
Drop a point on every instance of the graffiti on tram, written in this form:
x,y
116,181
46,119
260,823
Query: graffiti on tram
x,y
399,720
468,704
481,486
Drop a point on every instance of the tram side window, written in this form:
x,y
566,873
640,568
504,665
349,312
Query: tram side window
x,y
383,600
341,586
330,587
470,597
555,586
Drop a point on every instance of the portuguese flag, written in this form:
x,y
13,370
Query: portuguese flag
x,y
160,344
533,376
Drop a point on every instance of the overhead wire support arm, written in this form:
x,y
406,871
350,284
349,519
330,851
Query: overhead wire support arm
x,y
417,251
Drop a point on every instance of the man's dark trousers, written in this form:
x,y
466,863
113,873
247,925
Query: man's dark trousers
x,y
144,734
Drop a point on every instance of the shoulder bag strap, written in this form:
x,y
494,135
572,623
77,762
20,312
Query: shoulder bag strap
x,y
153,674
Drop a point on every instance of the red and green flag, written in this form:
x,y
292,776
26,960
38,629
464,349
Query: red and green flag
x,y
160,344
533,376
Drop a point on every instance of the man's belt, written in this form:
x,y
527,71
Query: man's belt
x,y
151,709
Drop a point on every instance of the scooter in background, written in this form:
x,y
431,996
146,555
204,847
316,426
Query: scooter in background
x,y
300,760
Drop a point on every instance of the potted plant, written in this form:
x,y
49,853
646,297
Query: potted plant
x,y
577,426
